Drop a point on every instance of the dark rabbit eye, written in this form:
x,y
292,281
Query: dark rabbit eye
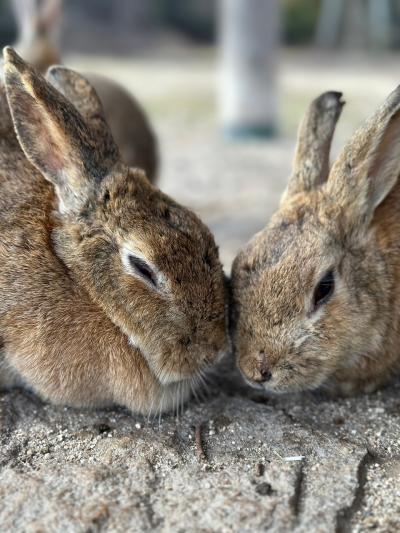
x,y
324,289
142,269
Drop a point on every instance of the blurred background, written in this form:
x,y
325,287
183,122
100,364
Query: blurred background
x,y
225,83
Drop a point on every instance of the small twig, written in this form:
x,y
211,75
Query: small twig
x,y
201,455
276,453
290,458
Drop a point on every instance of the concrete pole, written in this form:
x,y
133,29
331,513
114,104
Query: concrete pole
x,y
329,23
355,25
379,19
249,39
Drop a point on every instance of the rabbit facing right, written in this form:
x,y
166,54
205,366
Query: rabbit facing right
x,y
39,23
110,292
316,294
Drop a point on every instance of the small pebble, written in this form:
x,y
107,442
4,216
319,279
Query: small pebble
x,y
260,469
264,489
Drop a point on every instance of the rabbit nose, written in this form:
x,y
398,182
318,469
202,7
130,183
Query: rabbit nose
x,y
263,369
265,375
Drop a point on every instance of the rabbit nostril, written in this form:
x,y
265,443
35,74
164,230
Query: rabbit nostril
x,y
265,375
263,368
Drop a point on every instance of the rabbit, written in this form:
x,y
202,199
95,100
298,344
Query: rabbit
x,y
315,302
110,292
39,24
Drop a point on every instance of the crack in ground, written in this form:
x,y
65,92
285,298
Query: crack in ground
x,y
147,498
297,500
8,423
345,515
154,520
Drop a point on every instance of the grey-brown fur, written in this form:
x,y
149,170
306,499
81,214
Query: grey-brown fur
x,y
346,222
79,322
311,160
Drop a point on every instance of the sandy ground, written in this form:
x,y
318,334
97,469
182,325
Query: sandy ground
x,y
303,462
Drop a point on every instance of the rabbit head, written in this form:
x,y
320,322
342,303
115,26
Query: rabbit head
x,y
149,263
311,292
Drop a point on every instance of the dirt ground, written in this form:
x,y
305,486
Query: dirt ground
x,y
295,463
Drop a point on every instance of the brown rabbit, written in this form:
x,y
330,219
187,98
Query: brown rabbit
x,y
315,293
110,292
39,24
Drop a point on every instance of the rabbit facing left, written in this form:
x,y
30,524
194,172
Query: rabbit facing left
x,y
315,293
110,292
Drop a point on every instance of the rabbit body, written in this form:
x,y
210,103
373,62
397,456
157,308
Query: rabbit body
x,y
315,294
110,292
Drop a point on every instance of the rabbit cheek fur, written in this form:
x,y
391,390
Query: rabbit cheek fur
x,y
179,324
346,228
303,348
110,291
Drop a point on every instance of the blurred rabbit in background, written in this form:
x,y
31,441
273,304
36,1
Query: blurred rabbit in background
x,y
39,25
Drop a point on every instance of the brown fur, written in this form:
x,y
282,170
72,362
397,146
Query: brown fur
x,y
346,220
127,120
78,323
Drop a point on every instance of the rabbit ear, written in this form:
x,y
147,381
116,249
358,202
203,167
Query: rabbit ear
x,y
369,165
54,135
311,161
82,95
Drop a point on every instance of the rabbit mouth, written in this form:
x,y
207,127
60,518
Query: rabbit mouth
x,y
284,385
280,384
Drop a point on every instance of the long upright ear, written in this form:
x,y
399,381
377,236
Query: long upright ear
x,y
311,161
82,95
369,165
54,135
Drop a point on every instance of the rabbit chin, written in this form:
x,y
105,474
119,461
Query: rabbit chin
x,y
170,376
165,378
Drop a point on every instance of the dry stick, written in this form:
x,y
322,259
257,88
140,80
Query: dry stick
x,y
201,455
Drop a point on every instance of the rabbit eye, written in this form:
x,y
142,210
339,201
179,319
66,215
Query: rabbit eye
x,y
143,270
324,289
